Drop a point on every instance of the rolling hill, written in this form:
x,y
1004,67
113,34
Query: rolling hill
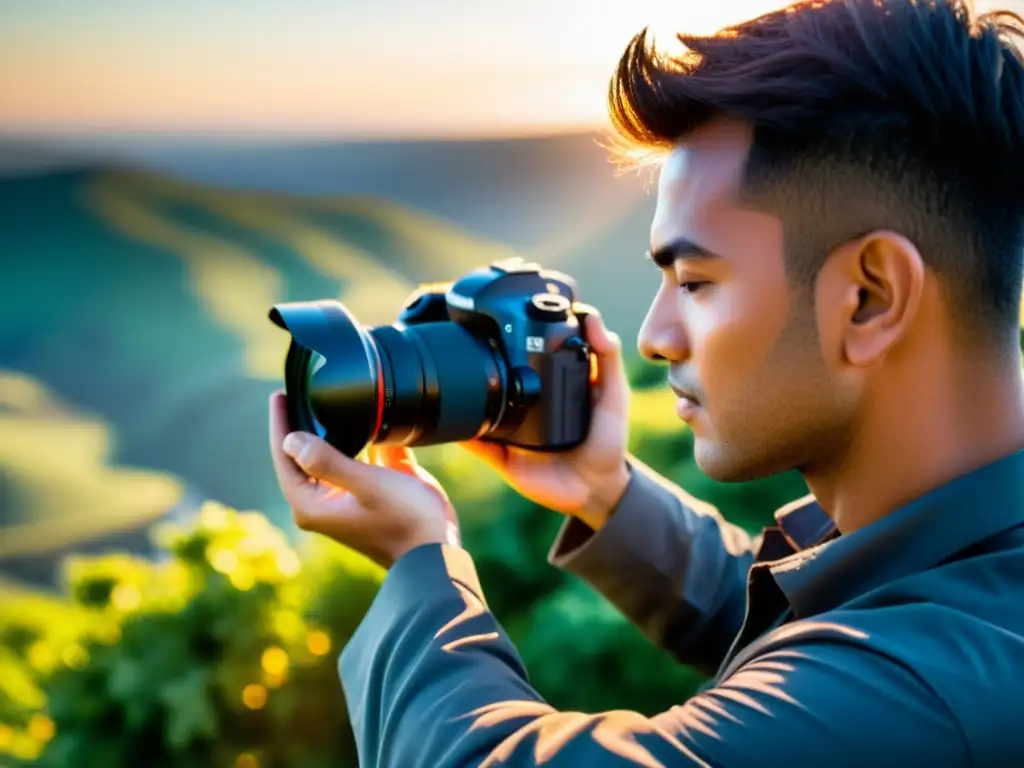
x,y
557,199
525,192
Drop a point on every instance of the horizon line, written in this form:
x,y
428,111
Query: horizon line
x,y
247,135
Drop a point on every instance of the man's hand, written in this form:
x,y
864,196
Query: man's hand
x,y
589,481
382,510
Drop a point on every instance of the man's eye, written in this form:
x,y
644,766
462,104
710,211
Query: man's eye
x,y
693,286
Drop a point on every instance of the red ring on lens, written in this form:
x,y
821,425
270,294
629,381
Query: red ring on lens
x,y
380,395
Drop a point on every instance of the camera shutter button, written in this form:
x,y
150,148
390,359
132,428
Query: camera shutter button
x,y
549,307
579,346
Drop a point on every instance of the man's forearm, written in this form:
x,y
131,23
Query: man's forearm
x,y
432,681
670,563
406,664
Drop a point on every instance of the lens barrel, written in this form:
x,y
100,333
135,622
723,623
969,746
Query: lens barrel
x,y
417,385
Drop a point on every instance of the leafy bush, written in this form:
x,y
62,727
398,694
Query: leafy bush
x,y
223,653
36,631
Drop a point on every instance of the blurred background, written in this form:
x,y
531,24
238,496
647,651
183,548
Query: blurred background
x,y
167,172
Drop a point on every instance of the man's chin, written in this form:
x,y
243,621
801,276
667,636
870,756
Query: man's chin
x,y
723,466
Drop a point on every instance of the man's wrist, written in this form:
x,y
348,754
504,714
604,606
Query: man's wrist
x,y
434,535
605,498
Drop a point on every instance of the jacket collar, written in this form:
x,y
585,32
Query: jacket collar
x,y
909,540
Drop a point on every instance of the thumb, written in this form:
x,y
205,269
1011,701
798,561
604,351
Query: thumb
x,y
611,376
321,461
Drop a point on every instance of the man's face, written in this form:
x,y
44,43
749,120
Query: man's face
x,y
740,342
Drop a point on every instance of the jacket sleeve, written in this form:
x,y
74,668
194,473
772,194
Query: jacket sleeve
x,y
432,681
670,563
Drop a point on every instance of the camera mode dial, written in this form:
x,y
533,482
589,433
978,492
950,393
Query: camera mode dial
x,y
549,307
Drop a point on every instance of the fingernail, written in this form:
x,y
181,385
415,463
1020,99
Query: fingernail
x,y
294,444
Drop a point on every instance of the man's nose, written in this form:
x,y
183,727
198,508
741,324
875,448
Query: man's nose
x,y
663,335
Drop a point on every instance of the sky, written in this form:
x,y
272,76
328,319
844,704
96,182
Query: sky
x,y
337,67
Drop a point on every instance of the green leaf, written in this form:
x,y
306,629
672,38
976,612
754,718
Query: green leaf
x,y
191,715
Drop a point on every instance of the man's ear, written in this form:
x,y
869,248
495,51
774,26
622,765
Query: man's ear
x,y
872,288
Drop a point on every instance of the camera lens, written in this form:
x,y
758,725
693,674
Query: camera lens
x,y
419,385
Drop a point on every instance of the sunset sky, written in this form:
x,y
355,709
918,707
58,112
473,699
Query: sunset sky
x,y
338,67
324,66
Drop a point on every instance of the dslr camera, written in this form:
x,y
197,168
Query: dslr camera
x,y
498,354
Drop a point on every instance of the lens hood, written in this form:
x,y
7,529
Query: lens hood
x,y
340,397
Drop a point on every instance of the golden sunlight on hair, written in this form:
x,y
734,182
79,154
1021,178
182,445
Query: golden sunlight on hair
x,y
668,17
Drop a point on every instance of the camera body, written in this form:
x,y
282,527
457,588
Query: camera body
x,y
529,317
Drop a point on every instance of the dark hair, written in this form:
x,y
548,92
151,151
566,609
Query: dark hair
x,y
902,114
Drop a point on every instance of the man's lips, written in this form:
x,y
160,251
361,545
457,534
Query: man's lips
x,y
688,406
682,394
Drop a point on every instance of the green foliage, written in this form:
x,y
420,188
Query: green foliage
x,y
583,656
36,633
222,653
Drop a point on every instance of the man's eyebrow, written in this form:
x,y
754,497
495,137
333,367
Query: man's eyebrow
x,y
667,255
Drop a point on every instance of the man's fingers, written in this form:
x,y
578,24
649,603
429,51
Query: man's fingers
x,y
333,512
611,377
323,462
605,343
288,473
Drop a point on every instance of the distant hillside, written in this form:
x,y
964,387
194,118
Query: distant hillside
x,y
558,199
524,192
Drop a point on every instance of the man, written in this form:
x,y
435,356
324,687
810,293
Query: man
x,y
840,234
